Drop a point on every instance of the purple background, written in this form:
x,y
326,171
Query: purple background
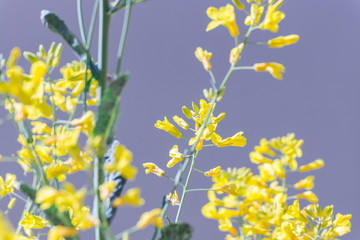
x,y
318,98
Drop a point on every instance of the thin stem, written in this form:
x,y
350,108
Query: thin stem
x,y
258,43
213,81
198,170
244,68
92,25
124,33
81,20
19,196
199,189
185,187
236,40
171,179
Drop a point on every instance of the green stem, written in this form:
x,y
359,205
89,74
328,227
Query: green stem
x,y
244,68
199,170
92,25
171,179
124,33
104,25
186,186
199,189
81,20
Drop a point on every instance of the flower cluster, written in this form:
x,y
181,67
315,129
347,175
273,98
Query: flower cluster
x,y
258,204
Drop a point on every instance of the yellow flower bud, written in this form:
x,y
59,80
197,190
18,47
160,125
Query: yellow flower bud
x,y
318,163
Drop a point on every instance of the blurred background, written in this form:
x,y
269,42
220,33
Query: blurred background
x,y
318,99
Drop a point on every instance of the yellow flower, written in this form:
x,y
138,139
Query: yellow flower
x,y
151,167
168,127
123,159
131,197
282,41
204,58
63,199
275,69
106,189
309,195
214,172
33,222
237,141
11,203
341,226
235,53
173,198
181,122
255,14
223,16
151,217
307,183
225,224
59,232
8,185
86,122
273,17
57,170
176,156
318,163
229,189
6,230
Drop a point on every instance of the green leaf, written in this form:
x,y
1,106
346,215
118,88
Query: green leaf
x,y
177,231
58,26
108,112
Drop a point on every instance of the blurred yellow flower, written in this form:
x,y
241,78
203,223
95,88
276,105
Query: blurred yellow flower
x,y
214,172
151,167
282,41
318,163
275,69
176,156
151,217
204,57
131,197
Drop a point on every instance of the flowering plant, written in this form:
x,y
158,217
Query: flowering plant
x,y
246,204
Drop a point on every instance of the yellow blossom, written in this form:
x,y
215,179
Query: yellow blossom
x,y
235,53
275,69
307,183
11,203
318,163
223,16
237,141
106,189
225,224
282,41
57,170
341,226
168,127
309,195
6,230
176,156
272,17
33,222
59,232
181,122
204,57
123,159
214,172
131,197
151,217
8,185
151,167
173,198
86,122
255,14
229,189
